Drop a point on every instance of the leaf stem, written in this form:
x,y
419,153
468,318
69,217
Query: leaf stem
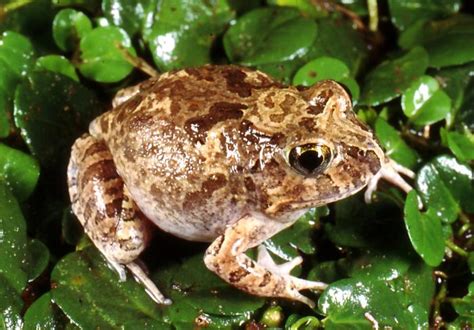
x,y
137,62
13,5
456,248
373,15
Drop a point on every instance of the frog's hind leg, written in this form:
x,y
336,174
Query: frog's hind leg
x,y
226,257
106,210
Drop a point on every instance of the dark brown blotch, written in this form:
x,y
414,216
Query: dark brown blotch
x,y
198,127
213,183
238,275
102,171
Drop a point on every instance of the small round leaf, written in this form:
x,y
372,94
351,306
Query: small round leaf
x,y
58,64
103,54
69,26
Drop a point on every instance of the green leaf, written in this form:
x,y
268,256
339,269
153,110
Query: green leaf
x,y
461,145
197,291
391,78
348,303
425,232
465,306
269,35
395,147
44,314
406,12
448,42
305,6
58,64
424,103
103,54
89,5
11,305
16,59
12,241
19,171
53,103
182,33
323,68
127,14
37,260
69,26
92,296
297,237
446,187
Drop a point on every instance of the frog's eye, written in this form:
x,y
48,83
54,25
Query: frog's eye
x,y
309,159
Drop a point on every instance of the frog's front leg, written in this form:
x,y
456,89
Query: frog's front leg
x,y
106,210
226,257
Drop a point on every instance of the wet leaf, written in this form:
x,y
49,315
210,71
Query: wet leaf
x,y
44,314
392,78
19,171
395,147
58,64
406,12
129,15
11,305
12,241
446,187
69,26
37,260
197,291
425,232
297,237
182,33
465,306
424,103
103,54
91,294
269,35
64,114
323,68
16,59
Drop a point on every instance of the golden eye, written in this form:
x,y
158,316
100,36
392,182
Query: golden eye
x,y
310,159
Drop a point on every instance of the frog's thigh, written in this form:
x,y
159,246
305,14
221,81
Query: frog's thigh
x,y
226,257
102,203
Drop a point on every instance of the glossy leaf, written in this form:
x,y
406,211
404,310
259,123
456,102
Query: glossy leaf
x,y
12,241
11,305
392,78
297,237
424,103
127,14
425,232
323,68
182,33
461,145
446,187
91,294
406,12
69,26
395,147
16,59
196,291
19,171
103,54
58,64
269,35
37,260
64,114
465,306
44,314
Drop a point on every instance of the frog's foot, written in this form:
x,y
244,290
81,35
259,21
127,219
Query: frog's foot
x,y
226,257
265,260
150,287
390,171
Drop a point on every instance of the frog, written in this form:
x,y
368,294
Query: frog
x,y
222,154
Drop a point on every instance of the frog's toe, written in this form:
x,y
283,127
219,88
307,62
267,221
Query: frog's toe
x,y
265,260
150,287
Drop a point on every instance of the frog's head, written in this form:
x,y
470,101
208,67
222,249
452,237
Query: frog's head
x,y
329,156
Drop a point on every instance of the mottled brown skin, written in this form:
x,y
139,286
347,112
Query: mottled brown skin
x,y
203,153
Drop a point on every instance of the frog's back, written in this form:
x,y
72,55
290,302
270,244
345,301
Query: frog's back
x,y
168,145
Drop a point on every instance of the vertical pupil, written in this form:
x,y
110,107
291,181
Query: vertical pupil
x,y
310,160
